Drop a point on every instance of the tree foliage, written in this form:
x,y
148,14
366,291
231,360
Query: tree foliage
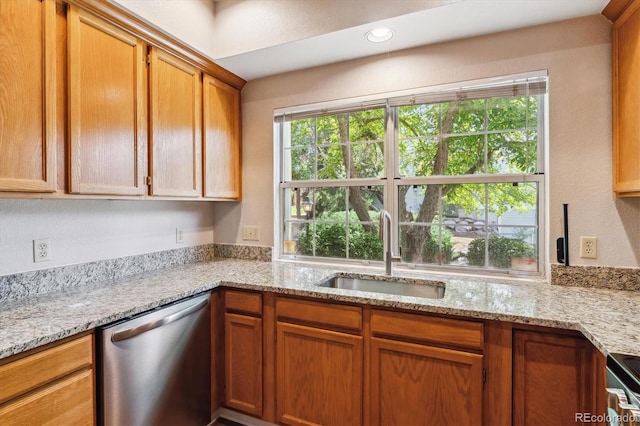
x,y
466,137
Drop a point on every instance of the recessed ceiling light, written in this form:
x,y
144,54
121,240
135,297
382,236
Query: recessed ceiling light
x,y
379,35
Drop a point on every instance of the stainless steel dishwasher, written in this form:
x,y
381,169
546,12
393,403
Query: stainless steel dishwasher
x,y
155,367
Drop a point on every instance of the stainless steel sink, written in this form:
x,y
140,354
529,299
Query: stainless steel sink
x,y
428,289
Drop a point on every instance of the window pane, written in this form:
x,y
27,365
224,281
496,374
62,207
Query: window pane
x,y
454,225
367,160
299,164
330,203
364,241
513,113
463,117
366,137
450,138
418,120
465,156
298,213
331,163
303,133
364,213
512,229
513,152
336,146
417,156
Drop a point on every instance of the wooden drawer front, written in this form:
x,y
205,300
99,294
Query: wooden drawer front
x,y
444,331
67,402
320,313
35,370
243,302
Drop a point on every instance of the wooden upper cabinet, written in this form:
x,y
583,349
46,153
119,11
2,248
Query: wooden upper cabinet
x,y
626,101
176,121
107,108
221,165
27,96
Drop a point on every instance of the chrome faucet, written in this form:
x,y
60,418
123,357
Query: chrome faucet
x,y
385,234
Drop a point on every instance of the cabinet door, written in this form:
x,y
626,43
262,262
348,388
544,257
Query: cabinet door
x,y
626,102
107,119
552,378
221,169
319,376
175,142
243,363
424,385
27,96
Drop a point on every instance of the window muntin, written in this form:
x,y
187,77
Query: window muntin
x,y
476,158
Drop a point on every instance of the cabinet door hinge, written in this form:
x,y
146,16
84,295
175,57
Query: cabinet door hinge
x,y
147,180
148,58
484,375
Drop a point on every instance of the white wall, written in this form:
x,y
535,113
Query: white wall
x,y
576,53
191,21
87,230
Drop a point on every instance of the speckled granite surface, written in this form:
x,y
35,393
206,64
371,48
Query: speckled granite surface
x,y
596,277
606,317
28,284
235,251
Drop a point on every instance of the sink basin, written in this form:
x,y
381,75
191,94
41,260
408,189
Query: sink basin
x,y
428,289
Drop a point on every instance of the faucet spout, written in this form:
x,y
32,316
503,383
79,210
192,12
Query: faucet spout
x,y
385,236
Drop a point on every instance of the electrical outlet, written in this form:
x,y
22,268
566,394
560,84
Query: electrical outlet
x,y
251,233
179,235
588,247
41,250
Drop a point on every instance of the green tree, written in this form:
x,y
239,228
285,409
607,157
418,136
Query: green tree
x,y
466,137
448,139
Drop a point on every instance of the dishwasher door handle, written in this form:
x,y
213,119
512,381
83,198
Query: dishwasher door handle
x,y
136,331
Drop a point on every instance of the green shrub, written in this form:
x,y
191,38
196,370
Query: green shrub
x,y
431,251
501,250
331,238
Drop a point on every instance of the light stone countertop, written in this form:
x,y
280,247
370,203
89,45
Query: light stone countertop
x,y
608,318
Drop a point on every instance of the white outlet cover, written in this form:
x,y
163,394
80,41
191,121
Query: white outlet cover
x,y
41,250
588,247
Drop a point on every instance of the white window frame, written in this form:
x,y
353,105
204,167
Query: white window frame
x,y
392,169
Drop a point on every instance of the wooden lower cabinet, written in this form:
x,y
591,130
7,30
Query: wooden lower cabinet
x,y
305,361
54,386
243,357
66,402
553,378
424,385
319,376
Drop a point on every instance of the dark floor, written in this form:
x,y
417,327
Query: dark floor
x,y
221,421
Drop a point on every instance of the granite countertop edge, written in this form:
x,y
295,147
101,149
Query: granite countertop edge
x,y
602,316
